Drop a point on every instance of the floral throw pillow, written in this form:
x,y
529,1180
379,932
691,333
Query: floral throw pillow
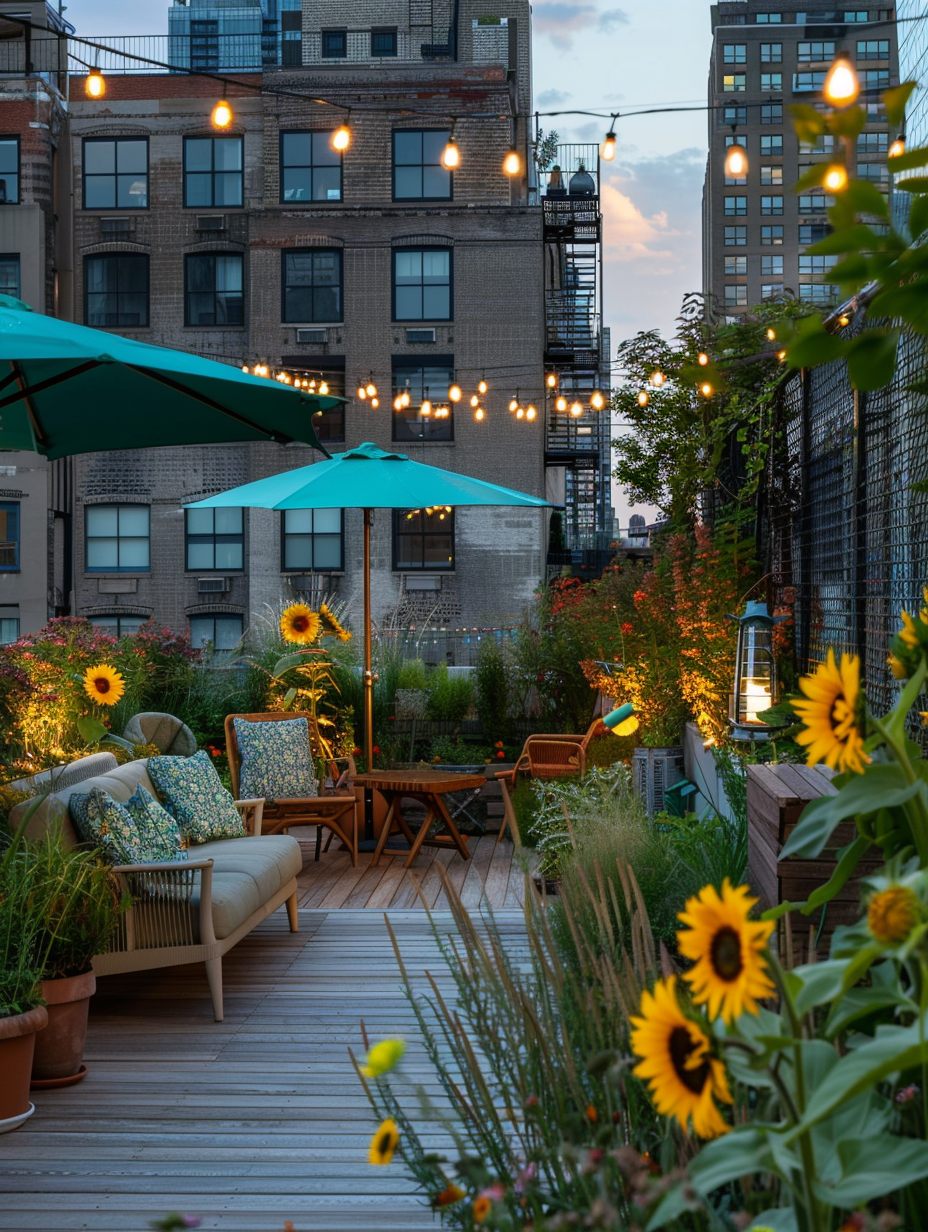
x,y
107,824
159,831
275,760
192,792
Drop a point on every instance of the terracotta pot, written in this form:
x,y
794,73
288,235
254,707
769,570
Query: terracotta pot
x,y
17,1042
60,1046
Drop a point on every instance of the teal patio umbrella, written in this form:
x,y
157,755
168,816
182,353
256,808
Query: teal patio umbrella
x,y
67,389
368,478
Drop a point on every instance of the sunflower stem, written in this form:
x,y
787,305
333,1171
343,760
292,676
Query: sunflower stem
x,y
914,809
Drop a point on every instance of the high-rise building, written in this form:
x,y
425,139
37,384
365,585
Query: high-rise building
x,y
913,66
234,35
767,54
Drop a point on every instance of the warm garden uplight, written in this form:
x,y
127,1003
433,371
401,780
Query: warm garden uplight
x,y
755,685
841,86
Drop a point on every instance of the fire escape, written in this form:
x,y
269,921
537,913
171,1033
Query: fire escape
x,y
577,447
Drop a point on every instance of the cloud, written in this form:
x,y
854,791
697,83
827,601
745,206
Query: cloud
x,y
561,21
629,233
551,98
610,19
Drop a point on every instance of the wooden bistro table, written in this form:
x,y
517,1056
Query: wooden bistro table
x,y
428,787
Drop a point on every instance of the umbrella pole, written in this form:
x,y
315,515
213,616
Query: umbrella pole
x,y
368,682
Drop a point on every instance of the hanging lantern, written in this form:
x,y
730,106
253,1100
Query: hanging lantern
x,y
755,684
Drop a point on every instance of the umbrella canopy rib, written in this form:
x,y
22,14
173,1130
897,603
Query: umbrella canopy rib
x,y
31,390
38,435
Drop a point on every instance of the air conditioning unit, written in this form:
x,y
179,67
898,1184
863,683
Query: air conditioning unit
x,y
212,585
211,222
115,226
312,335
420,335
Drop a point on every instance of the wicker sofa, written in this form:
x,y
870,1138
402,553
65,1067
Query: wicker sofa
x,y
187,911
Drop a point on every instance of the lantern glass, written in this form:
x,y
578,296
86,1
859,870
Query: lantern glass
x,y
755,673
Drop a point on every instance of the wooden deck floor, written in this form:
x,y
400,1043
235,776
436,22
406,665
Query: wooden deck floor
x,y
258,1119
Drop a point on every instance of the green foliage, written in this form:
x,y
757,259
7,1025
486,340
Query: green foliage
x,y
493,694
556,541
413,674
450,697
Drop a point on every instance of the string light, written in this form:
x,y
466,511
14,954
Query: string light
x,y
836,178
362,392
323,388
657,378
841,86
425,409
95,85
607,152
222,114
706,390
551,380
512,164
514,404
375,402
576,410
481,386
643,397
844,320
530,412
451,155
561,404
771,334
474,401
341,138
702,359
371,389
897,149
398,403
454,393
479,414
736,161
597,401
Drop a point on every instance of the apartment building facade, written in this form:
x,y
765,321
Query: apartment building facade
x,y
765,55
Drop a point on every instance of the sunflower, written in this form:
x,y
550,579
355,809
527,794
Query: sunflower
x,y
300,624
104,684
730,975
384,1143
897,667
831,714
675,1060
893,913
335,627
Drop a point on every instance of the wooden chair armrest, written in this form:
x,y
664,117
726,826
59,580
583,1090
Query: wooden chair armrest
x,y
256,809
165,866
163,884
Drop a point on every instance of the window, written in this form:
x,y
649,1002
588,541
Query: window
x,y
9,536
862,15
312,285
734,115
876,173
115,174
116,290
771,83
9,625
383,43
312,540
824,145
771,144
768,19
222,631
816,264
771,205
771,113
876,112
118,625
417,170
9,170
215,540
873,143
426,377
204,44
735,53
422,284
334,44
811,233
118,538
771,234
736,295
310,170
736,265
815,52
874,79
212,172
423,540
734,83
873,49
9,274
808,83
771,175
736,207
818,292
771,290
213,292
815,203
771,53
771,265
736,237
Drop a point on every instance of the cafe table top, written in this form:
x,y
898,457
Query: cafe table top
x,y
420,782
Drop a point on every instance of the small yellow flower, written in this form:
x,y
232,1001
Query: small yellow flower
x,y
104,684
908,634
482,1208
448,1197
893,913
383,1057
384,1143
897,667
830,715
300,624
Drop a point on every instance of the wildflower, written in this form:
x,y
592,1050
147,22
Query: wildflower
x,y
498,745
104,684
728,948
448,1197
375,749
384,1143
684,1078
383,1057
893,913
481,1208
300,624
907,1094
830,714
628,629
501,753
897,667
591,1114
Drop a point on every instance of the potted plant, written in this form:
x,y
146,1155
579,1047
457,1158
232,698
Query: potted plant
x,y
80,905
21,1011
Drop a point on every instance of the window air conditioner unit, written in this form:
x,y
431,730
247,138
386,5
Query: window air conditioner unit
x,y
211,222
312,335
115,226
212,585
420,335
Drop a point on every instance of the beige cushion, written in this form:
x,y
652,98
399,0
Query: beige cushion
x,y
119,783
247,873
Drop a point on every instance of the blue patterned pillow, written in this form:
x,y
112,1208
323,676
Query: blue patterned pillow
x,y
159,831
275,760
192,792
103,821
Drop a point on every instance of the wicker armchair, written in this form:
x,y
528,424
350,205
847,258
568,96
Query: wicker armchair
x,y
546,755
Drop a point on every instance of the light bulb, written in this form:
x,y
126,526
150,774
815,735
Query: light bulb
x,y
657,378
576,410
561,404
426,408
479,414
597,401
608,149
841,85
771,334
513,405
781,355
222,114
454,393
95,85
530,413
511,163
706,390
371,389
643,398
481,386
375,402
898,146
475,401
404,397
245,368
362,392
397,403
520,412
323,388
736,161
551,380
844,320
836,178
451,155
341,138
702,359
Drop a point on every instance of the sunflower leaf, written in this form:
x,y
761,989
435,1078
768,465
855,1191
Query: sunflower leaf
x,y
873,1167
816,983
740,1153
847,861
861,1001
883,786
91,729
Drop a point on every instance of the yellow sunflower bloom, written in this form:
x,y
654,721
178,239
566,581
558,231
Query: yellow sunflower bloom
x,y
897,667
383,1057
730,975
300,624
893,913
908,634
104,684
334,626
830,715
684,1078
384,1143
